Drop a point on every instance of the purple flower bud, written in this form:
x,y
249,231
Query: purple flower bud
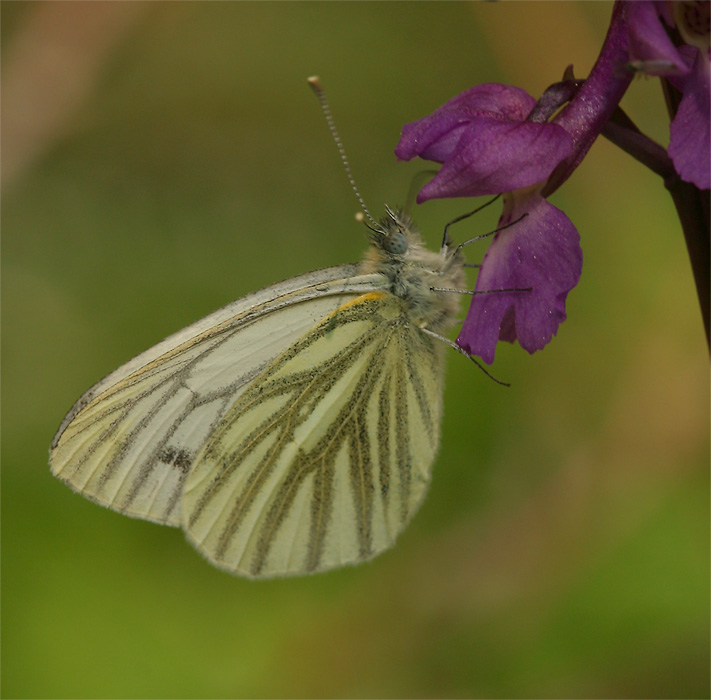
x,y
687,67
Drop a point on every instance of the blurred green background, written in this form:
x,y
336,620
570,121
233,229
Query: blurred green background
x,y
161,160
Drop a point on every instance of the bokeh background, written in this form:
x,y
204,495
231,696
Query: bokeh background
x,y
161,160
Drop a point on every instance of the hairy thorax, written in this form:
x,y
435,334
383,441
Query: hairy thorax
x,y
414,274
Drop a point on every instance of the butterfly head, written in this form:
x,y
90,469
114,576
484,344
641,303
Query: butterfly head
x,y
394,233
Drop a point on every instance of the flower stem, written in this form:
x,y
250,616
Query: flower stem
x,y
587,113
692,207
692,204
623,132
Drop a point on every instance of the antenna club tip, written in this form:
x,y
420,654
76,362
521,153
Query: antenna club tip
x,y
360,217
315,82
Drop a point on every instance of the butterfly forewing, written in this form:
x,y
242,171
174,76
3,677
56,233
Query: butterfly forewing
x,y
130,441
323,459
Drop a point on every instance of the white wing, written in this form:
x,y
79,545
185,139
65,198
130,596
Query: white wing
x,y
327,454
130,441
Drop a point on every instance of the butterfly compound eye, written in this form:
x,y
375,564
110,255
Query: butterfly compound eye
x,y
395,243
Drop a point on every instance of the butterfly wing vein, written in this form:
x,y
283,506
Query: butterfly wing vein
x,y
327,454
279,446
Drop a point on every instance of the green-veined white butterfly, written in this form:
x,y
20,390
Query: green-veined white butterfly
x,y
291,431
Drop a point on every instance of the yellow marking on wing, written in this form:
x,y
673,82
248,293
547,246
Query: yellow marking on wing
x,y
362,299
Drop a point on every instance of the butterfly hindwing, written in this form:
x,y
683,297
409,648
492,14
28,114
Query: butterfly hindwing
x,y
326,455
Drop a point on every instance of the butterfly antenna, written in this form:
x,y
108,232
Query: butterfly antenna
x,y
315,84
391,213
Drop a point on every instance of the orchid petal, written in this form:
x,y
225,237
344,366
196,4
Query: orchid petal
x,y
493,156
435,137
542,253
689,146
650,43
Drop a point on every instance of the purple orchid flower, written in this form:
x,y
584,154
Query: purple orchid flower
x,y
687,67
487,146
496,139
485,143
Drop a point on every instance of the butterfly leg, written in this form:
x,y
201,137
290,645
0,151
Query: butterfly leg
x,y
462,351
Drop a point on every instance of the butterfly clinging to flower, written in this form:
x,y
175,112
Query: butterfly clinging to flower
x,y
291,431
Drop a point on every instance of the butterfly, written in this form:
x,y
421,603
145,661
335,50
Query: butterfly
x,y
291,431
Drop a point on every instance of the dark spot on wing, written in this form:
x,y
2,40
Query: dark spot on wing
x,y
180,459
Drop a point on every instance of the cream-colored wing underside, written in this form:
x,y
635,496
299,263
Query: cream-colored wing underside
x,y
130,441
327,454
